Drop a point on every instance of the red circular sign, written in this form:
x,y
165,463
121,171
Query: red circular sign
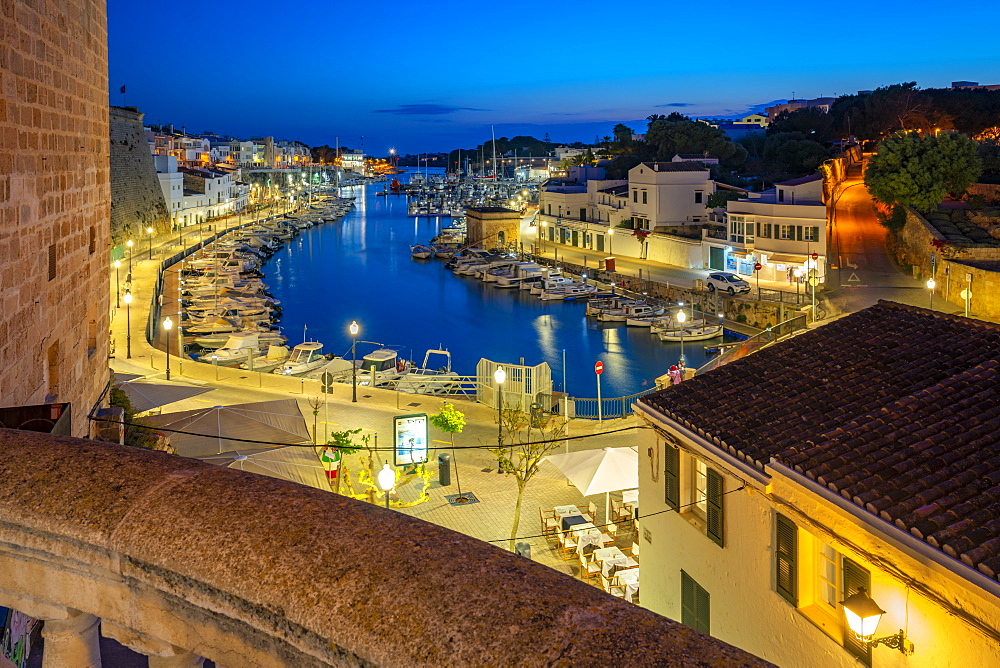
x,y
599,368
757,266
815,256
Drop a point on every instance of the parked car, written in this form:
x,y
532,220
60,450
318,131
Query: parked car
x,y
731,283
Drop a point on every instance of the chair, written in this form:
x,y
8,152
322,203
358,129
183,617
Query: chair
x,y
621,512
567,545
589,568
549,521
634,551
611,529
592,509
611,586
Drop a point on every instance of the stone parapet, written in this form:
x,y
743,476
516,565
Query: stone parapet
x,y
193,560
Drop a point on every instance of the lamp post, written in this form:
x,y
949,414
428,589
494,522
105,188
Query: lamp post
x,y
798,275
167,324
386,480
611,234
118,285
129,244
499,376
354,363
128,325
149,231
930,288
681,317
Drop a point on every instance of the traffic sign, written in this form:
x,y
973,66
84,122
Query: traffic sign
x,y
813,281
815,256
599,368
813,273
965,293
757,266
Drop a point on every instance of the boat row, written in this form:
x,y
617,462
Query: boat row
x,y
662,321
505,271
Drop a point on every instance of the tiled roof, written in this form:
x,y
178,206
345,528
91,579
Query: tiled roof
x,y
688,166
802,179
895,408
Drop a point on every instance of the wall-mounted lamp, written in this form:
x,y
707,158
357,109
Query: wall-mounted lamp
x,y
863,615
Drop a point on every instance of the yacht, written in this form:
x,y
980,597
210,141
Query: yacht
x,y
304,357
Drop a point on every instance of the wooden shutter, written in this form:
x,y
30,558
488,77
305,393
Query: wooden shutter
x,y
716,529
855,577
672,476
695,605
798,233
785,554
52,262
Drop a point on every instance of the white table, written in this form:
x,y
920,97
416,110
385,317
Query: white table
x,y
608,553
629,578
566,511
592,537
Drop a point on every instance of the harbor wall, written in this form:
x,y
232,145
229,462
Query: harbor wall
x,y
54,211
136,197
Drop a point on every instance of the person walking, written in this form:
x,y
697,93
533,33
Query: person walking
x,y
675,375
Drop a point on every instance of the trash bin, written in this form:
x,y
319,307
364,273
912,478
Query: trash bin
x,y
444,469
609,264
523,550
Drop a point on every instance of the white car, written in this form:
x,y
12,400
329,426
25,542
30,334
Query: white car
x,y
726,282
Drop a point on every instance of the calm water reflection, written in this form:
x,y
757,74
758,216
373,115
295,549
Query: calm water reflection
x,y
361,269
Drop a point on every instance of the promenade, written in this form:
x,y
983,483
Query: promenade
x,y
490,519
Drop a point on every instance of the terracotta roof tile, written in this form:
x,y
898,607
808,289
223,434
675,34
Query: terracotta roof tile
x,y
895,408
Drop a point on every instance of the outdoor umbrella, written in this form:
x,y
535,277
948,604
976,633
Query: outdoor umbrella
x,y
209,430
600,471
147,396
295,463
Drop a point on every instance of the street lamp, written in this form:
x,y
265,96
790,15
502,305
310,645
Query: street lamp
x,y
930,287
129,244
128,325
118,285
611,233
499,376
167,324
149,231
386,480
354,362
681,317
863,615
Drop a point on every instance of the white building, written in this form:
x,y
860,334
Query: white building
x,y
776,486
669,194
353,161
782,229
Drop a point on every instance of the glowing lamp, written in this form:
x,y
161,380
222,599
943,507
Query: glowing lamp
x,y
500,375
863,615
386,478
681,317
167,324
354,328
127,298
931,284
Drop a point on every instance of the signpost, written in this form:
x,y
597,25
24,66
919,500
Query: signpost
x,y
599,369
756,271
410,435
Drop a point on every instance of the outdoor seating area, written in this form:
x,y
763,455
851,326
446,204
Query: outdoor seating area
x,y
603,553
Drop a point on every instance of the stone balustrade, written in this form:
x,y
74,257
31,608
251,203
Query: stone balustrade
x,y
181,560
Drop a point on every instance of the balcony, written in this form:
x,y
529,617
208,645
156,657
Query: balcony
x,y
179,559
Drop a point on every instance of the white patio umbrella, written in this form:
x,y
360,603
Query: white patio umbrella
x,y
600,471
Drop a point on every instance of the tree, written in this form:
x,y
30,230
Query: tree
x,y
920,171
451,421
623,134
793,153
719,198
516,431
341,443
812,122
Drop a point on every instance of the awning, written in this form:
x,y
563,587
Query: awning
x,y
147,396
211,431
785,259
740,253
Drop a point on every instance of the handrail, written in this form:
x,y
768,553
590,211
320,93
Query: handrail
x,y
615,407
267,572
780,331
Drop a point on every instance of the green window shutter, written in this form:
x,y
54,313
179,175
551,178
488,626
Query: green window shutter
x,y
855,577
716,529
798,233
695,605
672,476
785,554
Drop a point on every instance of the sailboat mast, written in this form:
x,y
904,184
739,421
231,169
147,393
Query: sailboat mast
x,y
494,142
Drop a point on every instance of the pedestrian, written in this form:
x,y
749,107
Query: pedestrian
x,y
675,375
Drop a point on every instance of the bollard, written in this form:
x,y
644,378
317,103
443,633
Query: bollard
x,y
523,550
444,469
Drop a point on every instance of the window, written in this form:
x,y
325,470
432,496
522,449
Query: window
x,y
695,605
699,491
781,195
786,232
697,197
702,489
92,245
643,196
786,551
635,195
811,234
765,231
52,262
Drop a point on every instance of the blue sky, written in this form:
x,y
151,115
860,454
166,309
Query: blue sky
x,y
422,76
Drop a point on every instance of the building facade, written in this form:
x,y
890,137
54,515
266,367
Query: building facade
x,y
54,207
777,486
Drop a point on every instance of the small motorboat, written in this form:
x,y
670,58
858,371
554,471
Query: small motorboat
x,y
691,333
240,346
275,357
421,252
431,378
303,358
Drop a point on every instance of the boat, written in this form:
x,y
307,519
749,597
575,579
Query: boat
x,y
664,323
622,314
690,333
446,250
240,346
550,283
521,272
596,306
381,367
421,252
304,357
430,378
275,357
570,291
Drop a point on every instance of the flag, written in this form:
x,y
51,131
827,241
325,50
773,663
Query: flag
x,y
123,90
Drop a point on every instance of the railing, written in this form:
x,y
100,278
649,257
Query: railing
x,y
783,296
618,407
755,343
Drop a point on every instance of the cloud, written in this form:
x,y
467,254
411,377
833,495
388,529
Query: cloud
x,y
425,110
676,104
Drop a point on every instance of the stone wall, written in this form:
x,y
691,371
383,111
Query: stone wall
x,y
136,197
492,226
54,194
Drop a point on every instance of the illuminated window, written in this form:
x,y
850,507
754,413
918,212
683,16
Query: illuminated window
x,y
699,489
827,576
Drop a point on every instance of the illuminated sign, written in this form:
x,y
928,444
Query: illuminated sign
x,y
410,433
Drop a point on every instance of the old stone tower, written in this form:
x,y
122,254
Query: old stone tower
x,y
493,226
54,213
136,197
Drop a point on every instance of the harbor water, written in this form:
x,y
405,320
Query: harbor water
x,y
360,269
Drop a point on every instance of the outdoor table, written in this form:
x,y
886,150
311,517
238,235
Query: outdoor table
x,y
594,537
563,511
608,564
608,553
629,578
580,529
573,520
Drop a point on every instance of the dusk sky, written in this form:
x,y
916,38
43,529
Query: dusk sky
x,y
422,76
